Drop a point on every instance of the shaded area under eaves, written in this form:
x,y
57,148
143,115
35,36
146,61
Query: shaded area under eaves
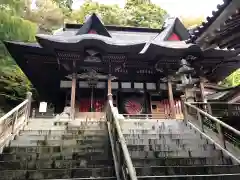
x,y
40,66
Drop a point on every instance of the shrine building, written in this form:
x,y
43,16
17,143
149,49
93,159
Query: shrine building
x,y
143,70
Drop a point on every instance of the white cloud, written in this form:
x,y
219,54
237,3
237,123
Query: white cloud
x,y
173,7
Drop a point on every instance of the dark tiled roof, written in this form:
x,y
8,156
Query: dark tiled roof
x,y
116,28
198,31
228,35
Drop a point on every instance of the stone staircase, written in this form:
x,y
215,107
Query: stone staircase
x,y
165,150
49,150
171,150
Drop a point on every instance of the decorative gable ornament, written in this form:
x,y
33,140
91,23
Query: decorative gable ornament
x,y
93,25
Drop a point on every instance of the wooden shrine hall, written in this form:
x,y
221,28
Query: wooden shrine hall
x,y
143,70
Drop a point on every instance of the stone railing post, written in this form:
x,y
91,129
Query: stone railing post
x,y
184,109
28,108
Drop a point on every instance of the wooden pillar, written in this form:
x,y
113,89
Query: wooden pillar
x,y
202,89
73,91
109,87
171,99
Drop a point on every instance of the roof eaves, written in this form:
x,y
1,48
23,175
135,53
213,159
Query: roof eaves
x,y
201,30
118,28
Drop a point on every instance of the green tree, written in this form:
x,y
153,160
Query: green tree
x,y
14,7
131,3
47,15
65,4
109,14
136,13
13,83
66,7
233,79
143,13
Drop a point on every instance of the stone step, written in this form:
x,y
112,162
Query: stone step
x,y
165,141
152,122
171,147
59,173
71,142
187,170
47,128
63,126
101,155
193,177
63,132
91,178
180,161
60,136
162,136
54,164
172,154
164,146
72,123
51,149
150,131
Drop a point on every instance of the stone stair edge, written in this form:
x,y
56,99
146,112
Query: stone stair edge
x,y
91,178
192,166
202,175
49,169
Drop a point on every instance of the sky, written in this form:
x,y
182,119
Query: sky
x,y
176,8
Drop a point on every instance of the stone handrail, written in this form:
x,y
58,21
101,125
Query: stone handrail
x,y
205,103
201,116
14,120
213,118
124,163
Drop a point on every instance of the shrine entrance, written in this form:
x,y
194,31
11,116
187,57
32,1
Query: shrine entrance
x,y
91,99
133,102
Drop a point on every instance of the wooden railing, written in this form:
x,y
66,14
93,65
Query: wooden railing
x,y
206,121
14,120
220,109
123,163
228,113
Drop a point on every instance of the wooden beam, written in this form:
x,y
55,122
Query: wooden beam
x,y
109,87
73,91
171,99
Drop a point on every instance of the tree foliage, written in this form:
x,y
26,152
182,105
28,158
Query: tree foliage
x,y
64,4
13,83
16,28
143,13
47,15
136,13
14,7
233,79
109,14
